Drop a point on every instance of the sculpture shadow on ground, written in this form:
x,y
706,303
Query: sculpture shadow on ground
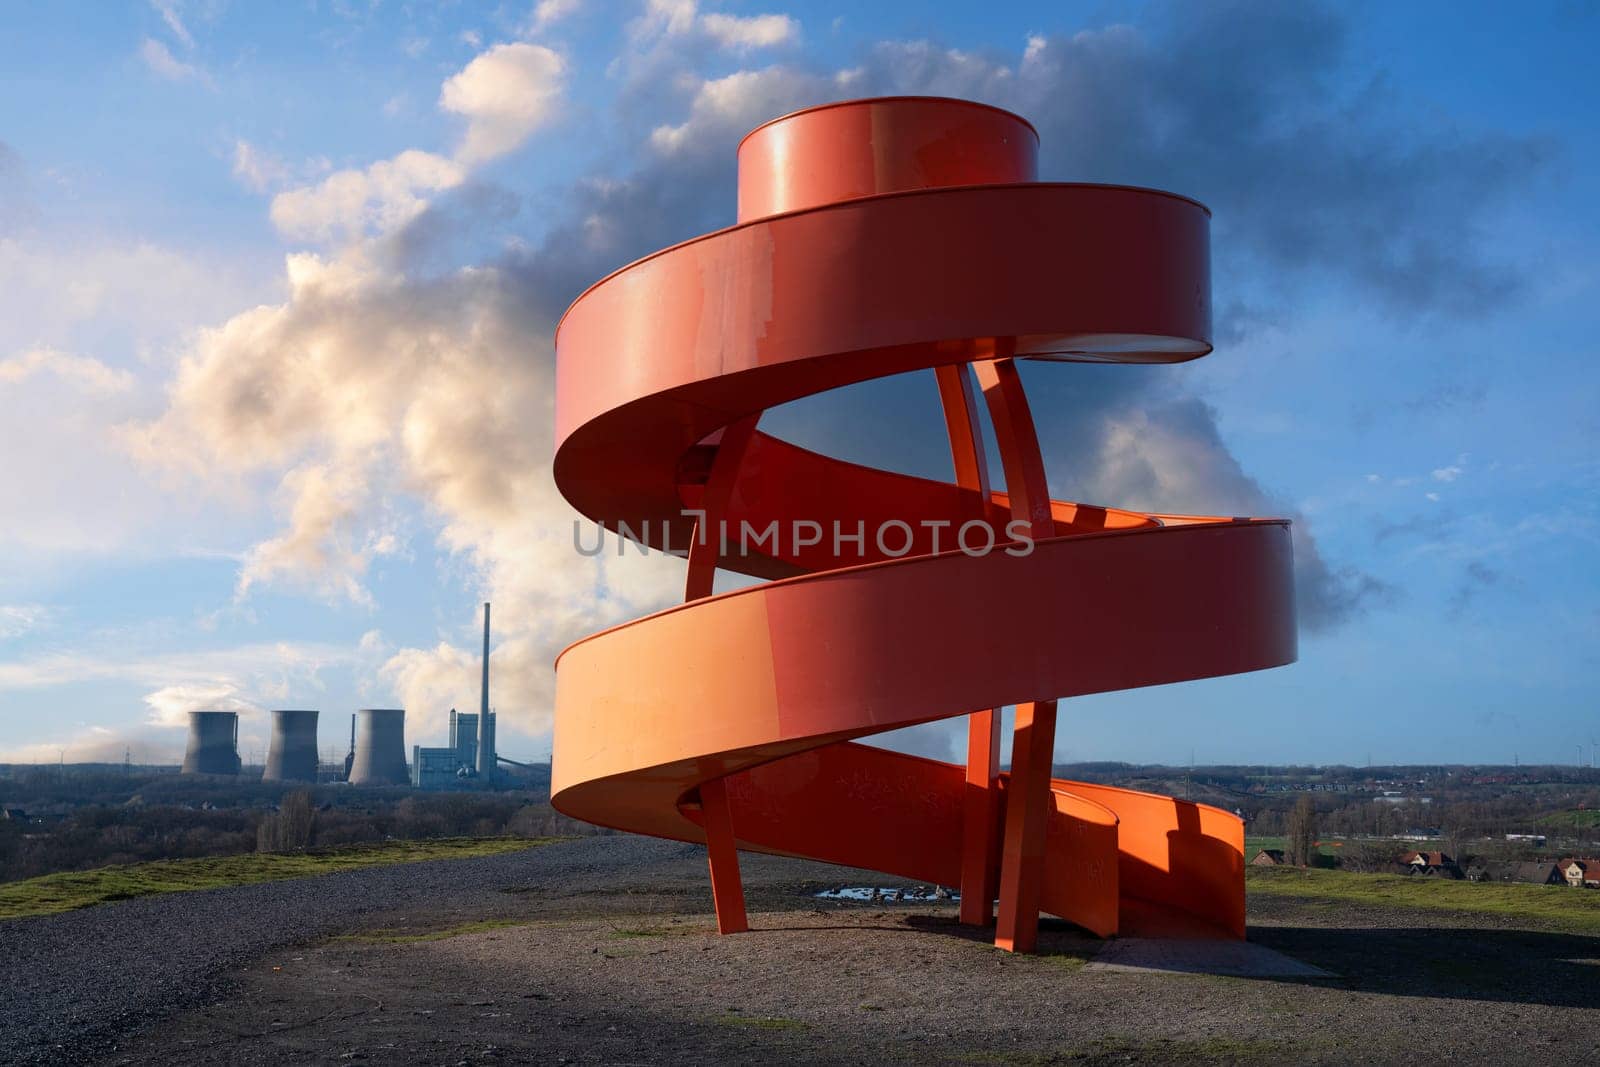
x,y
1507,966
1548,968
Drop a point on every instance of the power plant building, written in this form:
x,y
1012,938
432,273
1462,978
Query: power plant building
x,y
213,743
292,753
380,750
441,768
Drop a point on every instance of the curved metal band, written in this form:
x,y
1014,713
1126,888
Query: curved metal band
x,y
762,691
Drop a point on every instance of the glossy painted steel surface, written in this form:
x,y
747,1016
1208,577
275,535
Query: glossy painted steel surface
x,y
875,238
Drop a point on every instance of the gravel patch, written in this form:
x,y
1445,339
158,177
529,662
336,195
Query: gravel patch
x,y
79,981
602,950
76,981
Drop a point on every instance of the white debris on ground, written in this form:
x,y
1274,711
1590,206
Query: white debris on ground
x,y
890,894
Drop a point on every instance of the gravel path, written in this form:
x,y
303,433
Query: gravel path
x,y
75,982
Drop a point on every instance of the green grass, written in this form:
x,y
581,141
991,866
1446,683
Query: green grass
x,y
407,937
685,930
1576,910
1072,959
1569,820
1252,845
67,891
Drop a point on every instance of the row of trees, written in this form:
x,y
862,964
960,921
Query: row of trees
x,y
98,836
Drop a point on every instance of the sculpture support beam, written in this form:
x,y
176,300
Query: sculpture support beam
x,y
980,832
1033,738
1027,809
727,886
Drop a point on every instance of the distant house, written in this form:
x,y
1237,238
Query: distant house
x,y
1580,872
1432,864
1269,857
13,814
1540,872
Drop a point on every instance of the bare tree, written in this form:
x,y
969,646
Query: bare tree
x,y
291,827
1369,857
1301,849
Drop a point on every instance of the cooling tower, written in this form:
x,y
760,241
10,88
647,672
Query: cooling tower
x,y
380,747
213,743
292,756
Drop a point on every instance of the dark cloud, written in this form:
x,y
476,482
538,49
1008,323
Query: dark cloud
x,y
1429,526
1476,577
1249,108
1315,177
452,229
1246,107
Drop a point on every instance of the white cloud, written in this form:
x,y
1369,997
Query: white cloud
x,y
81,372
351,203
738,101
66,293
505,94
368,385
99,744
170,705
547,12
19,619
1451,472
159,58
327,546
242,678
754,31
245,678
257,169
67,484
168,9
250,666
672,17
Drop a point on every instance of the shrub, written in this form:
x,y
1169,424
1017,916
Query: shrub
x,y
289,829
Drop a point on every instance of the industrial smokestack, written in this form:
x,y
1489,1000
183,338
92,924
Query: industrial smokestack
x,y
213,743
292,755
350,757
380,747
486,761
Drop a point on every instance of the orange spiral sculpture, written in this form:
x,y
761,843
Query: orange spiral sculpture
x,y
873,238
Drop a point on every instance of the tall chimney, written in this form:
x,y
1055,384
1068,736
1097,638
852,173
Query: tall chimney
x,y
486,760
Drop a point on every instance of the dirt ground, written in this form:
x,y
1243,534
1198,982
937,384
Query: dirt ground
x,y
638,976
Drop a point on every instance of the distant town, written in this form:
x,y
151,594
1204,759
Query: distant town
x,y
1535,824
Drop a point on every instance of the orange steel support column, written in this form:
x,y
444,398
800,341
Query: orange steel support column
x,y
722,854
980,830
1027,809
727,888
1033,739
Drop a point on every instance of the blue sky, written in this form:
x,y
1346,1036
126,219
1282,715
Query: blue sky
x,y
277,284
